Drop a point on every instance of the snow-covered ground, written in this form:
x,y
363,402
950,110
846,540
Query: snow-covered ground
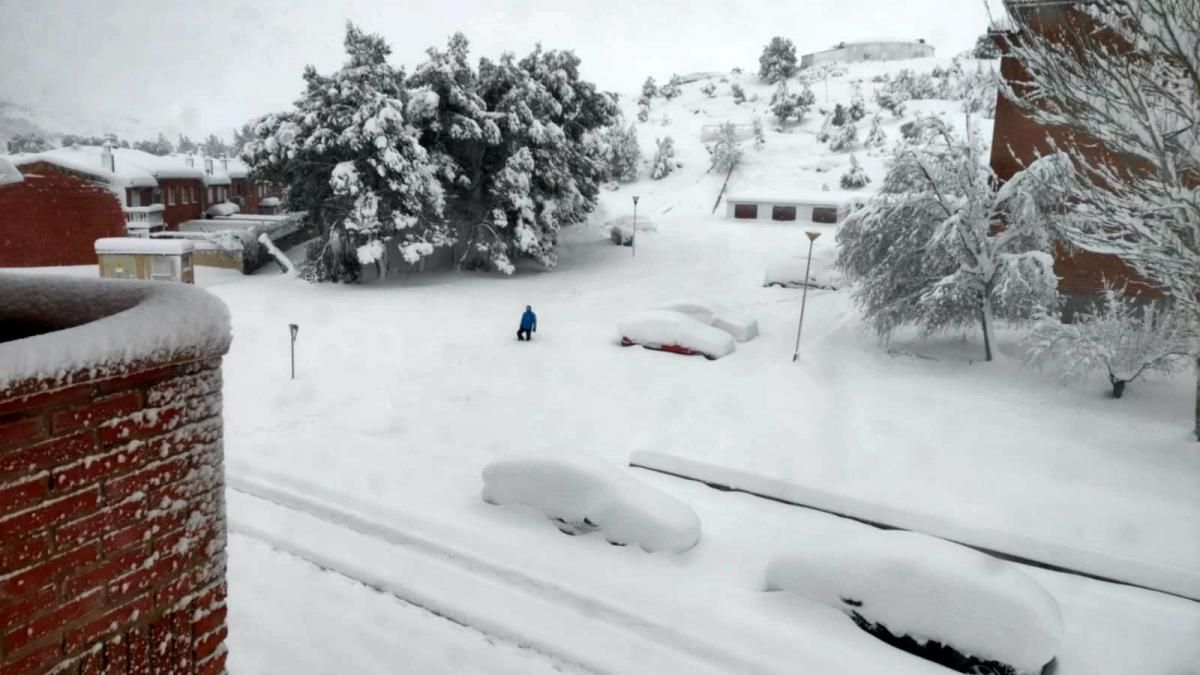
x,y
404,391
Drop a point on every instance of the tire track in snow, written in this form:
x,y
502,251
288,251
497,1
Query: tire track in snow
x,y
386,588
682,645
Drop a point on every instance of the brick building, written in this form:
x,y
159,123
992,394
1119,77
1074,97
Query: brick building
x,y
52,217
112,514
1018,140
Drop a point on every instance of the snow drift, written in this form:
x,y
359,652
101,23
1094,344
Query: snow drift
x,y
929,589
742,327
621,229
673,331
582,493
223,209
9,174
824,273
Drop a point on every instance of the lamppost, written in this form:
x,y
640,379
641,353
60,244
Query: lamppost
x,y
812,236
294,328
633,239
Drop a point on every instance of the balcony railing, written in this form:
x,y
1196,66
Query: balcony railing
x,y
144,216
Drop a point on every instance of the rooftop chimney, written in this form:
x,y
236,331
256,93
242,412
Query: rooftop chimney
x,y
190,161
107,161
208,169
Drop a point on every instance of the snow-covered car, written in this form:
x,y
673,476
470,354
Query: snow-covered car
x,y
742,327
582,494
675,332
911,590
789,272
222,209
620,230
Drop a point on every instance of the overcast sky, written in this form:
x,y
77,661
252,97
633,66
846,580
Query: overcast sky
x,y
208,65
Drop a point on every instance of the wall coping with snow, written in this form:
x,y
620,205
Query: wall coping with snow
x,y
57,331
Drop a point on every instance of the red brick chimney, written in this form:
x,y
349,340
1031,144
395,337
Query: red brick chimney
x,y
112,514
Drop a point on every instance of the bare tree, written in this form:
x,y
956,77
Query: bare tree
x,y
1125,73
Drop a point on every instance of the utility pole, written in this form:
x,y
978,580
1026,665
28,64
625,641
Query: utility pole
x,y
812,236
633,239
294,328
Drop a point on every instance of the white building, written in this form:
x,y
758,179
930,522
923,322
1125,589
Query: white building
x,y
869,50
800,207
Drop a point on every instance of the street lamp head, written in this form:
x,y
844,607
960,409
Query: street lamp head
x,y
812,235
635,200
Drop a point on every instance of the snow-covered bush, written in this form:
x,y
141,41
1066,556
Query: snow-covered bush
x,y
985,48
741,326
925,247
643,114
855,177
624,153
1124,340
222,209
649,89
709,89
843,137
664,158
671,89
889,102
725,151
739,94
760,138
675,332
778,60
899,585
582,493
858,106
621,229
786,106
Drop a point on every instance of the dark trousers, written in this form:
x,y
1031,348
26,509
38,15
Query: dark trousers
x,y
524,334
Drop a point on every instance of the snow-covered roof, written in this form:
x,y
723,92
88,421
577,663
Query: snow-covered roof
x,y
270,201
135,168
99,327
811,197
9,173
137,245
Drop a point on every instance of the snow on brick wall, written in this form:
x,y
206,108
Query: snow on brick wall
x,y
112,520
52,218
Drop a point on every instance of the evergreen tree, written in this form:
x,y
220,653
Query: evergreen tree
x,y
664,158
241,137
31,142
739,95
858,107
927,250
725,151
624,153
778,60
186,145
876,138
649,89
760,138
643,113
843,137
671,89
985,48
855,177
348,156
709,89
215,147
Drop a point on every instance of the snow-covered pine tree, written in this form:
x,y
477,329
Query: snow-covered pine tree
x,y
1147,213
876,138
783,103
664,158
1124,340
643,114
778,60
671,89
348,156
843,137
855,177
624,153
760,138
186,145
827,129
159,146
241,137
31,142
890,102
649,89
215,147
725,151
858,106
926,248
985,48
739,95
709,89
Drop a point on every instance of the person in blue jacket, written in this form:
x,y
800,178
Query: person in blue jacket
x,y
528,324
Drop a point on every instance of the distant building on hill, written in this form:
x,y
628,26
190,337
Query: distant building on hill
x,y
827,207
869,50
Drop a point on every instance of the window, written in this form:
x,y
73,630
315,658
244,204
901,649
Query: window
x,y
824,214
162,267
745,211
170,196
783,213
192,190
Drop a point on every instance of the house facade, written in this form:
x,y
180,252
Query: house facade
x,y
1018,140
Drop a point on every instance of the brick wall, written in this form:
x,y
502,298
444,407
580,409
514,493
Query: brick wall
x,y
112,526
180,211
54,218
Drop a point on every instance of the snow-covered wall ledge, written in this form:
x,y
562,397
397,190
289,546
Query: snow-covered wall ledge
x,y
112,514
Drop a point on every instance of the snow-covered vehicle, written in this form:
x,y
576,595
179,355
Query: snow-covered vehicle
x,y
823,274
741,326
670,331
940,600
620,230
582,494
222,209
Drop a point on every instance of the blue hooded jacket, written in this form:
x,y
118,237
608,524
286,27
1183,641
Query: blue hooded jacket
x,y
528,319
